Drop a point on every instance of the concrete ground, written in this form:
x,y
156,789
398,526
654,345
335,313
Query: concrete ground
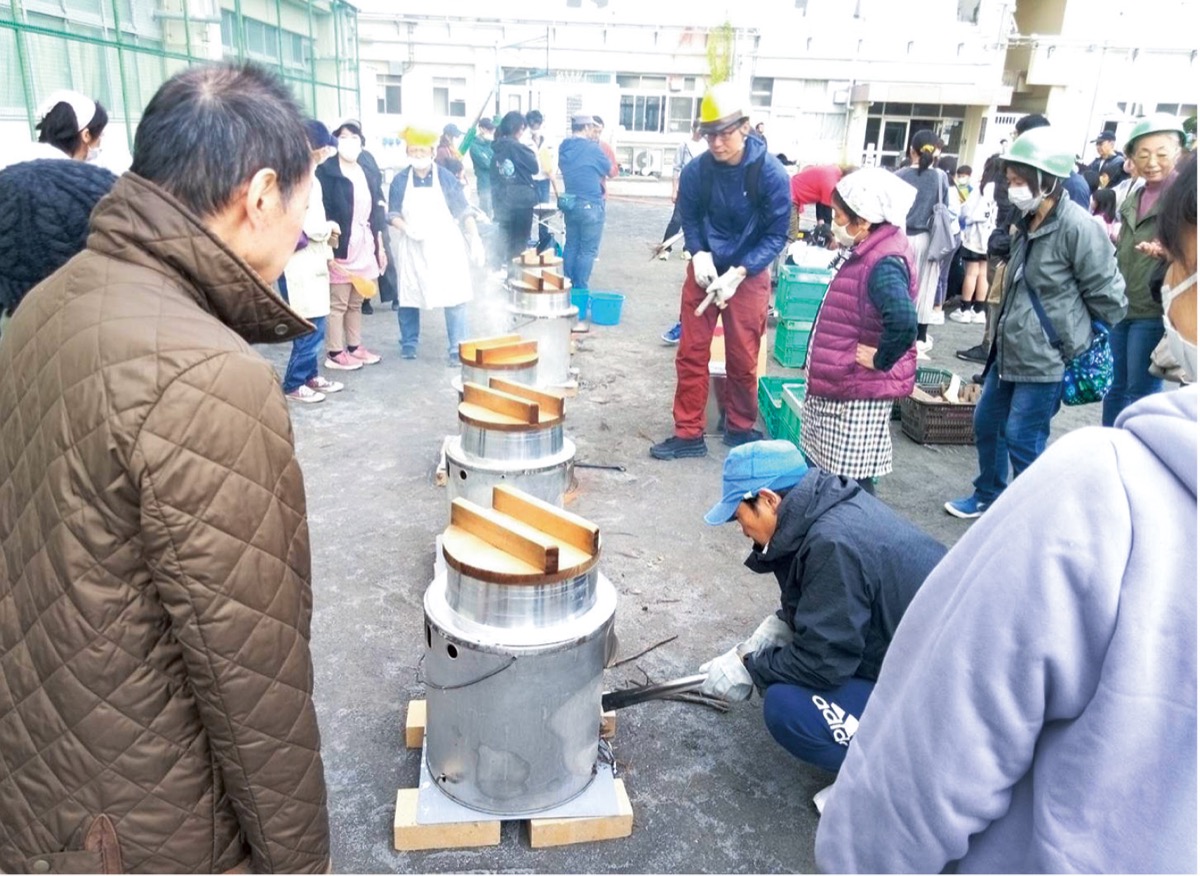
x,y
711,792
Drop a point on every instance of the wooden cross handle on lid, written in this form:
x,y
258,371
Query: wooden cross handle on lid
x,y
501,349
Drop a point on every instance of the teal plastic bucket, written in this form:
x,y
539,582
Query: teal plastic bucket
x,y
606,307
581,298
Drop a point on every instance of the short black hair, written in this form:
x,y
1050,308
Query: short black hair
x,y
1177,209
61,129
1106,204
1092,178
1029,122
209,129
534,117
964,169
511,124
948,163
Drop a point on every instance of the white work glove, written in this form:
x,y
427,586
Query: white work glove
x,y
725,285
475,249
728,677
703,269
413,233
771,633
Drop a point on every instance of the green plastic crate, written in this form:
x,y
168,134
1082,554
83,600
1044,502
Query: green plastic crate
x,y
789,421
791,341
770,401
801,291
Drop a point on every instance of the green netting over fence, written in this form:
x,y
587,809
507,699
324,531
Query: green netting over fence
x,y
119,51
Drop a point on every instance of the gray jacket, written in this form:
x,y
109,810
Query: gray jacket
x,y
1071,265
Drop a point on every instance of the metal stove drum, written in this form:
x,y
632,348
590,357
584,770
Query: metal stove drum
x,y
517,625
507,357
540,309
509,434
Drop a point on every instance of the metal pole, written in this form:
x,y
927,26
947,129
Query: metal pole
x,y
240,36
26,73
279,34
124,78
187,29
312,59
337,54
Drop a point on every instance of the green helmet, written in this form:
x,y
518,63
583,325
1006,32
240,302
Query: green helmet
x,y
1042,148
1159,123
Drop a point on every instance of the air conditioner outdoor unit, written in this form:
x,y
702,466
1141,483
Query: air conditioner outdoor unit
x,y
647,162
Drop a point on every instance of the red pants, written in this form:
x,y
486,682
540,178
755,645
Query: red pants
x,y
745,322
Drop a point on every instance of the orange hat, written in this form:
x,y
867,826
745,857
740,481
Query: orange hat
x,y
414,136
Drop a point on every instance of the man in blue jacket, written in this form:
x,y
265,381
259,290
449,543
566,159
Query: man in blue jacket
x,y
847,567
584,168
734,203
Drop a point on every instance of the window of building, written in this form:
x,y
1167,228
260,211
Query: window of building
x,y
388,93
657,104
968,11
441,101
760,91
681,112
890,126
642,112
228,31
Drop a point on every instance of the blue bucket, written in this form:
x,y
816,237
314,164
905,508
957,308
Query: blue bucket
x,y
606,307
581,298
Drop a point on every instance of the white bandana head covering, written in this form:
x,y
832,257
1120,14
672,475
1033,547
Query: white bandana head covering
x,y
83,106
877,195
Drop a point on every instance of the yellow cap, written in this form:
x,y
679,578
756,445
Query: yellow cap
x,y
723,104
414,136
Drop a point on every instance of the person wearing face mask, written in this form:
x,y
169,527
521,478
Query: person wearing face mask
x,y
70,125
1066,259
1036,712
1154,147
429,214
861,355
1177,234
352,188
847,567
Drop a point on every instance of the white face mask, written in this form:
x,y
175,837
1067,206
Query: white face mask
x,y
1024,199
841,233
349,148
1183,350
421,163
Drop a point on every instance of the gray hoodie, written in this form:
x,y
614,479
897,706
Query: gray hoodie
x,y
1037,708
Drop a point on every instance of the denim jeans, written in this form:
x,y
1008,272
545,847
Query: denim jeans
x,y
1132,342
410,327
1012,421
585,225
816,726
302,366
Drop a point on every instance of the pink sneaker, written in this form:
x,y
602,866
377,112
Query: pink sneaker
x,y
343,361
320,384
365,356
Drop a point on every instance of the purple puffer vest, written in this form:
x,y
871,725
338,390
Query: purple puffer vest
x,y
848,318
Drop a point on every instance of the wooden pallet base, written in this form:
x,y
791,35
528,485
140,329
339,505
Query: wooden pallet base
x,y
409,836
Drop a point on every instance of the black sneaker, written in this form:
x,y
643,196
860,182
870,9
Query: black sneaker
x,y
736,439
978,353
678,448
367,308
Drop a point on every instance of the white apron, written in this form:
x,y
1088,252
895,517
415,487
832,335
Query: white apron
x,y
433,271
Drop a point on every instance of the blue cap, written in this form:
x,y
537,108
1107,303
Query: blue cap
x,y
750,467
318,135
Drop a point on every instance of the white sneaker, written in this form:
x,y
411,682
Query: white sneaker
x,y
962,316
979,317
321,384
924,346
938,317
663,256
922,356
820,797
305,395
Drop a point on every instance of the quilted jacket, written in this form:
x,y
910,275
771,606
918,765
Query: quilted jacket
x,y
156,706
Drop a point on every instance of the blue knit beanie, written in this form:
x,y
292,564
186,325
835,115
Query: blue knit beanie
x,y
44,210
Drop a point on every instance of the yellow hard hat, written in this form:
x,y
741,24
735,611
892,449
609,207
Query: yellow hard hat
x,y
723,105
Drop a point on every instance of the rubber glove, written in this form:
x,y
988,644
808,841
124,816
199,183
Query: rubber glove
x,y
728,677
703,269
771,633
725,285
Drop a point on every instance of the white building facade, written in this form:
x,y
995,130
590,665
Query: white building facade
x,y
832,81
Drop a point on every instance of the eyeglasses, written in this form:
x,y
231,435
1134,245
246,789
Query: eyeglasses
x,y
724,133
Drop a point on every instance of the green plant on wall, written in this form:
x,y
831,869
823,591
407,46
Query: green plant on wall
x,y
720,53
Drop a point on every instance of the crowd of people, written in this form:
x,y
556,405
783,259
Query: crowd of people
x,y
156,601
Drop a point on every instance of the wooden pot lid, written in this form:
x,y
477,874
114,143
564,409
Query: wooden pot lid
x,y
505,406
540,280
520,540
532,257
502,352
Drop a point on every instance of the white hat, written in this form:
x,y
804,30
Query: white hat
x,y
583,119
877,195
82,105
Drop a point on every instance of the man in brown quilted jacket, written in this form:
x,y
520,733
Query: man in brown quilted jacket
x,y
156,709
